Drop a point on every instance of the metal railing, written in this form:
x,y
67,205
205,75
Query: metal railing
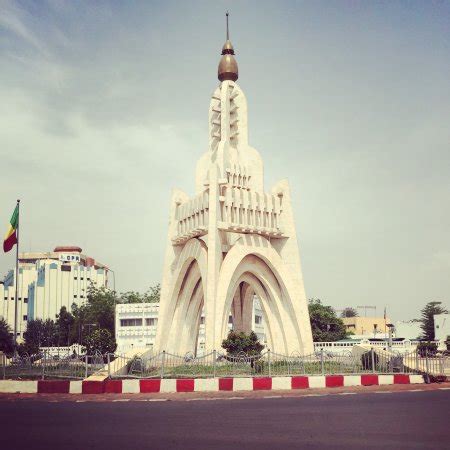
x,y
219,364
44,365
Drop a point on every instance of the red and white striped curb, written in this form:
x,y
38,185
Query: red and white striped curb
x,y
202,385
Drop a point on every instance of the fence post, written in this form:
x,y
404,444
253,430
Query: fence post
x,y
372,356
162,363
86,365
214,363
43,366
321,362
426,362
269,361
109,365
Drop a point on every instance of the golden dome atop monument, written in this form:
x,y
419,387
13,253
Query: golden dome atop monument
x,y
228,68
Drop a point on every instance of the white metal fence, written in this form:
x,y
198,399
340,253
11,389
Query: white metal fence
x,y
218,364
46,365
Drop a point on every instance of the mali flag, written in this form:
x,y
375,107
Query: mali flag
x,y
11,235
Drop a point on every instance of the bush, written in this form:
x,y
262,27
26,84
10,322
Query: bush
x,y
101,341
237,343
366,360
427,349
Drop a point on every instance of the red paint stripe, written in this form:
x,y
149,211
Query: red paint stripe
x,y
369,380
225,384
53,386
150,385
113,386
401,379
262,384
92,387
185,385
299,383
334,380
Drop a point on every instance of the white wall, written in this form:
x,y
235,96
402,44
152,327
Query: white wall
x,y
441,326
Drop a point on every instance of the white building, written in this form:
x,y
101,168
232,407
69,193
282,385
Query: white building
x,y
48,281
136,326
441,326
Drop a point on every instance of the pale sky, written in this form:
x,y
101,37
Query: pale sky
x,y
104,109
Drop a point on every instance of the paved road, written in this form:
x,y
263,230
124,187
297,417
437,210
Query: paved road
x,y
377,420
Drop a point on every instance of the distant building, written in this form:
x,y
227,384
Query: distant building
x,y
48,281
366,326
136,326
441,326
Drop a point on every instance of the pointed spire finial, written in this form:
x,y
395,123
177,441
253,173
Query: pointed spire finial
x,y
228,69
228,34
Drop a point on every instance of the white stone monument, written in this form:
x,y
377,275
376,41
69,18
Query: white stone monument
x,y
232,240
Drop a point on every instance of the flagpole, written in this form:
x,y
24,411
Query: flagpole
x,y
17,276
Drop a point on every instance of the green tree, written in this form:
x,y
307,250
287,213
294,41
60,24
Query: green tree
x,y
427,319
64,323
237,343
99,308
152,295
101,341
349,312
39,333
6,339
325,325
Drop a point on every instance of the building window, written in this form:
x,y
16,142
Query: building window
x,y
25,300
75,296
151,322
12,298
75,278
202,320
6,298
82,278
88,279
25,317
230,319
20,299
258,320
81,296
131,322
66,268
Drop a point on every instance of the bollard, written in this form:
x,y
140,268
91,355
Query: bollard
x,y
268,360
214,363
372,355
162,363
4,365
43,367
321,361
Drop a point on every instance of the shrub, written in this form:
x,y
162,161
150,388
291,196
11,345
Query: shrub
x,y
237,343
101,341
366,360
427,349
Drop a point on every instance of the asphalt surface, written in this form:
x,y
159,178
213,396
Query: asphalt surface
x,y
386,420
